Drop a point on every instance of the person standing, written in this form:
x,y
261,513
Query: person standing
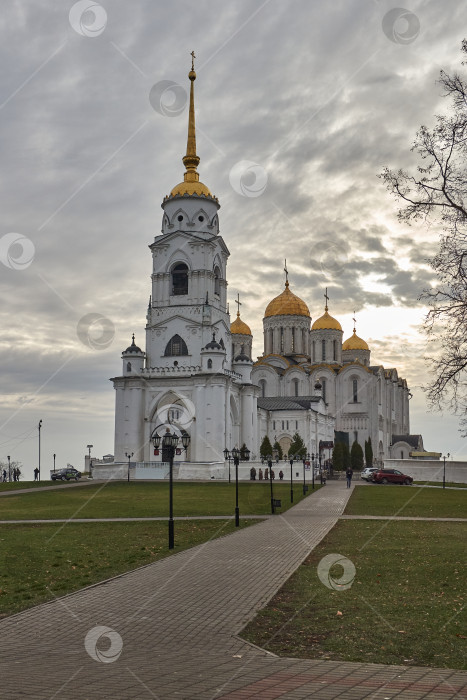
x,y
348,476
36,473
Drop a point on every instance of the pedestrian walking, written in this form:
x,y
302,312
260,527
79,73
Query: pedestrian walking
x,y
36,474
348,476
260,474
281,475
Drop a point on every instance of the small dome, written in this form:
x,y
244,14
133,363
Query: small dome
x,y
239,327
213,344
133,348
326,322
287,304
355,343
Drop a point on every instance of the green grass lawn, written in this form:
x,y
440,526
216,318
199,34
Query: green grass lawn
x,y
412,501
439,484
41,562
404,607
14,485
146,500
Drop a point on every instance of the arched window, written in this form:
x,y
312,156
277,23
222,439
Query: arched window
x,y
128,366
314,351
334,350
304,348
180,279
271,340
176,346
217,281
282,339
323,350
323,383
355,390
293,339
262,385
295,387
209,364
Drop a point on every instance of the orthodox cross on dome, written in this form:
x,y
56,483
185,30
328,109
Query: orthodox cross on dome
x,y
327,299
354,322
192,60
286,273
239,303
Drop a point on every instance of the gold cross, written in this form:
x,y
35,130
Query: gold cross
x,y
326,297
286,271
354,321
192,60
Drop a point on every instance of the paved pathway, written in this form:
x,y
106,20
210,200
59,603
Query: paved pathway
x,y
177,621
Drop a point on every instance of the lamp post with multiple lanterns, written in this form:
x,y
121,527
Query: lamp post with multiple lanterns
x,y
228,456
90,462
169,446
129,457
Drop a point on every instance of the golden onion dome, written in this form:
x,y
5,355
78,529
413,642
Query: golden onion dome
x,y
239,327
326,322
287,304
190,188
355,343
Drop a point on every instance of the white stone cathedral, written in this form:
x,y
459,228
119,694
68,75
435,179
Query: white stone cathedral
x,y
197,376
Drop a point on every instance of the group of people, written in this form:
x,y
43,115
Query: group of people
x,y
268,473
15,473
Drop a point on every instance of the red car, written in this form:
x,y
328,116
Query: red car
x,y
391,476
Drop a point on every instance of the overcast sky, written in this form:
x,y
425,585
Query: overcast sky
x,y
299,104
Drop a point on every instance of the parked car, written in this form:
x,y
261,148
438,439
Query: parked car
x,y
391,476
66,474
367,472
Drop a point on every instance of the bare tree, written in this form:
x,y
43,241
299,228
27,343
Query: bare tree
x,y
438,195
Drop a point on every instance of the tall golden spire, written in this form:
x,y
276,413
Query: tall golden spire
x,y
191,184
191,160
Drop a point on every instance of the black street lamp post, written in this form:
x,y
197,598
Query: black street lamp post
x,y
90,460
228,456
291,479
39,428
273,510
129,457
444,470
169,445
9,468
313,471
236,459
54,460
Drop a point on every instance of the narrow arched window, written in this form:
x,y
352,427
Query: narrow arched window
x,y
314,351
282,339
209,364
323,384
217,281
180,279
128,366
304,348
293,339
355,390
334,350
262,385
323,350
175,347
271,340
295,383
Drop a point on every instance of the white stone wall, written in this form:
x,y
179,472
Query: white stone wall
x,y
430,470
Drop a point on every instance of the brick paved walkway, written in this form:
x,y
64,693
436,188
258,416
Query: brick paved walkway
x,y
177,620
